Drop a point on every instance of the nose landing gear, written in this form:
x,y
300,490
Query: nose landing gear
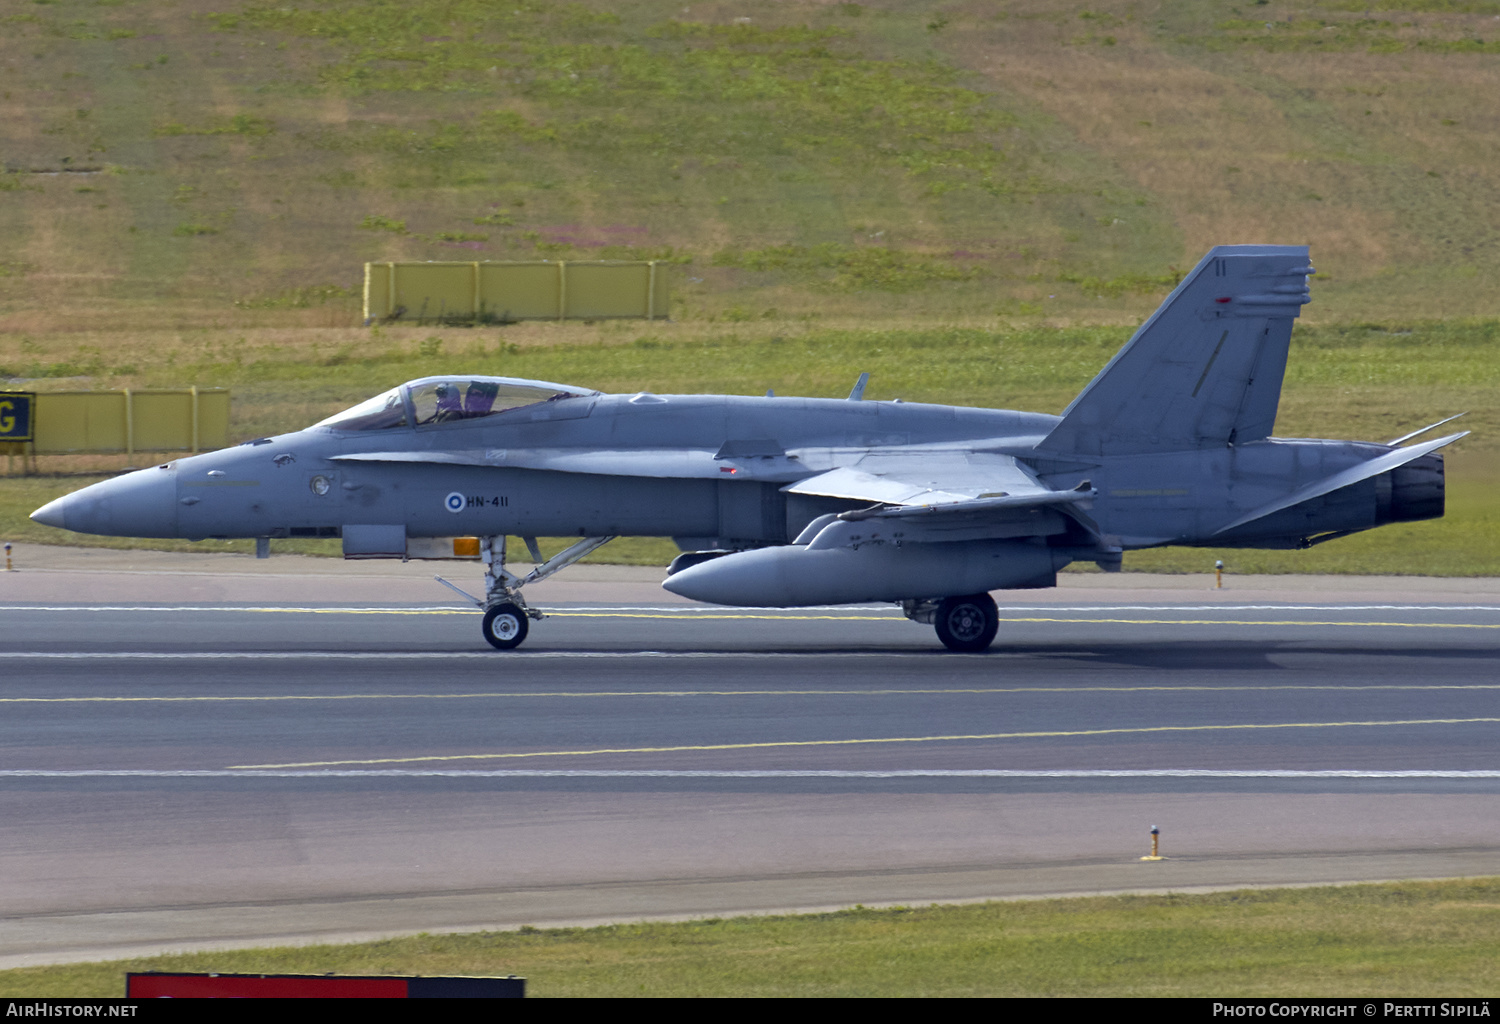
x,y
506,613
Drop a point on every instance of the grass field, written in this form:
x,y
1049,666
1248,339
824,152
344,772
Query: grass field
x,y
200,161
1397,940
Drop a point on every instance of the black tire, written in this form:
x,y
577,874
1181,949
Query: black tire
x,y
967,623
505,626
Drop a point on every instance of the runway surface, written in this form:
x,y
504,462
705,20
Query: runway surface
x,y
198,774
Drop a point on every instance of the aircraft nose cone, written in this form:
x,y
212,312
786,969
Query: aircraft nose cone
x,y
139,504
52,513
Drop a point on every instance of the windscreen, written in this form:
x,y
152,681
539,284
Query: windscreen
x,y
379,413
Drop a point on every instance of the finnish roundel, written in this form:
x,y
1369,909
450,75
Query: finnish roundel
x,y
454,502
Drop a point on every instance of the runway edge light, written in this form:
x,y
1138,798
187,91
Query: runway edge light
x,y
1155,848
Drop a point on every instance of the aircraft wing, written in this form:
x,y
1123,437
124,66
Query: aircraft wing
x,y
941,496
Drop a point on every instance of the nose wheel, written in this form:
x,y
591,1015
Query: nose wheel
x,y
505,626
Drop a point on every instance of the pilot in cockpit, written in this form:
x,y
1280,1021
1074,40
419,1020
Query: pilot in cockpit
x,y
449,404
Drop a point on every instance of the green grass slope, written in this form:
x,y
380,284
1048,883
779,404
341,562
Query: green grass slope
x,y
260,152
211,160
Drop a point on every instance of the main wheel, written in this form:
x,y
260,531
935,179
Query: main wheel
x,y
505,626
967,623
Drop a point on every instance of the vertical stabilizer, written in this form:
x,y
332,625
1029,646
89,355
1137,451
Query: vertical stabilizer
x,y
1205,370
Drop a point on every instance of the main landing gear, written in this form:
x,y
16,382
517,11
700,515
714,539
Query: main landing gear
x,y
506,614
966,623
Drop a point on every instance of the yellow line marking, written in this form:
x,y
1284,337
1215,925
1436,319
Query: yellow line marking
x,y
765,745
886,692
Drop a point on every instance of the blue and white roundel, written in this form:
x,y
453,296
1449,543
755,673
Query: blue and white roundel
x,y
454,502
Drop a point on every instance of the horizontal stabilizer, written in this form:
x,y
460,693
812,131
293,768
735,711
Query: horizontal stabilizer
x,y
1353,475
1205,370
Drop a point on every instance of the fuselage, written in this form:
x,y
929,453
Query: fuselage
x,y
707,469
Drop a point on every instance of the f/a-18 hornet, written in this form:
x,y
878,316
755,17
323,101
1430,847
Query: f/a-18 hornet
x,y
779,501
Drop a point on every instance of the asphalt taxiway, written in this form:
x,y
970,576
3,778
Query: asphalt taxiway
x,y
291,751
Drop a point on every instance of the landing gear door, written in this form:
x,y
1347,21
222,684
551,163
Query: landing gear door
x,y
374,541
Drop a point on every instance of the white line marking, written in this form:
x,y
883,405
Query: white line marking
x,y
692,610
490,656
1251,608
710,609
309,610
646,773
972,691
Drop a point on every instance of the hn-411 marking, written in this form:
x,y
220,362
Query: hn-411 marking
x,y
807,501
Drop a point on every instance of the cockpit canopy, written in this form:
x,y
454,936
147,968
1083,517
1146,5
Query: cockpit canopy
x,y
446,399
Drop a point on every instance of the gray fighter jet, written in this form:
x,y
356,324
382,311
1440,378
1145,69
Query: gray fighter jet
x,y
810,501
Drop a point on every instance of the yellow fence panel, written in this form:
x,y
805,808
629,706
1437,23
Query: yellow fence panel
x,y
433,291
596,290
503,292
80,422
158,420
521,291
192,420
213,419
